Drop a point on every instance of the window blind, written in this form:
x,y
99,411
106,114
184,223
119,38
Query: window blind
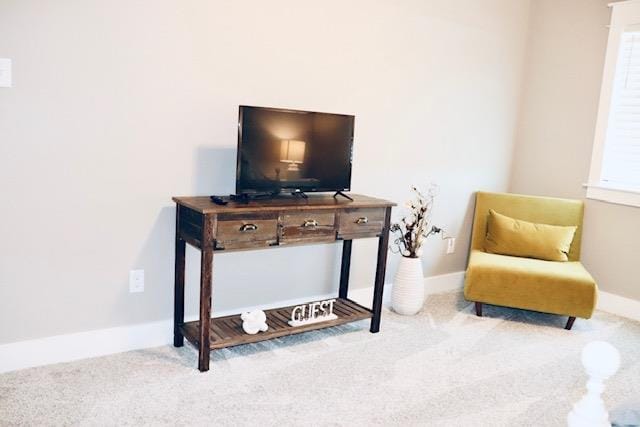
x,y
621,157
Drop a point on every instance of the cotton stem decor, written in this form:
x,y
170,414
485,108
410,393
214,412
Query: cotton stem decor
x,y
416,226
407,295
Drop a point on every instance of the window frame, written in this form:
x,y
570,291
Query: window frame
x,y
625,15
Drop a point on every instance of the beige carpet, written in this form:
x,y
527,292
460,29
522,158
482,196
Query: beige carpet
x,y
443,367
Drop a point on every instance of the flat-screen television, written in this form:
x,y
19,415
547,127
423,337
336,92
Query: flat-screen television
x,y
291,151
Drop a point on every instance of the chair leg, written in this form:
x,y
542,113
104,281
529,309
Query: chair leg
x,y
478,309
570,323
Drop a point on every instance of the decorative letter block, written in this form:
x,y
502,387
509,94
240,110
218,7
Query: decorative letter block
x,y
314,312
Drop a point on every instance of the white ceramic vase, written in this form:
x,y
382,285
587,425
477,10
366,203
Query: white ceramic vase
x,y
407,293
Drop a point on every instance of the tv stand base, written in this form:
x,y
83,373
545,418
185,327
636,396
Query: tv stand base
x,y
246,197
340,193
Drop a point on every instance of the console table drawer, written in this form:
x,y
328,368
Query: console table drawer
x,y
361,221
308,226
246,233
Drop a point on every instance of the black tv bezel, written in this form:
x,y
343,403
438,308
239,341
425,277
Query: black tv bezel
x,y
289,189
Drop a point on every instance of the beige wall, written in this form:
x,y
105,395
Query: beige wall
x,y
118,105
565,58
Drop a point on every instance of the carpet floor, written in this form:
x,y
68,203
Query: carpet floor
x,y
443,367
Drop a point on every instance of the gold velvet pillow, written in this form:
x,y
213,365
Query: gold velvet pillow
x,y
509,236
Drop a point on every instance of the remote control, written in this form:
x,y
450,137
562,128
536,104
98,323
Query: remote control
x,y
218,200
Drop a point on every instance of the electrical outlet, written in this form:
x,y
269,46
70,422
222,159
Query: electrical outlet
x,y
5,72
136,281
451,245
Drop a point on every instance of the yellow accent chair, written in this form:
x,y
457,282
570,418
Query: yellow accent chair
x,y
557,287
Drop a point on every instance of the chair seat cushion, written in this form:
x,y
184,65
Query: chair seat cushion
x,y
564,288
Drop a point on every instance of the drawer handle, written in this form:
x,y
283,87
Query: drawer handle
x,y
310,223
362,220
248,227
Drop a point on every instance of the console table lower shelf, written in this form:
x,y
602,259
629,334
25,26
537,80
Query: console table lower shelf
x,y
227,331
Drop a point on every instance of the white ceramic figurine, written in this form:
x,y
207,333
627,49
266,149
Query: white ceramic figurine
x,y
254,321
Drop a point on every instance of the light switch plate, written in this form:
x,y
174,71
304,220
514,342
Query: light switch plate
x,y
136,281
5,72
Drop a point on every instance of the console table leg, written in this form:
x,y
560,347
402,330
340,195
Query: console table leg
x,y
206,272
178,297
178,300
344,269
205,308
383,248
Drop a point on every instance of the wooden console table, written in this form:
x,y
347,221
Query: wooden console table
x,y
266,224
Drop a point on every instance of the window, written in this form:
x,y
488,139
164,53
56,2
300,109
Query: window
x,y
621,159
615,163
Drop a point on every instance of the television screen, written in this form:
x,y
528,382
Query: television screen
x,y
287,150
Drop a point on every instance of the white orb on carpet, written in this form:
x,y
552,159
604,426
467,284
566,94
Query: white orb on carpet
x,y
600,360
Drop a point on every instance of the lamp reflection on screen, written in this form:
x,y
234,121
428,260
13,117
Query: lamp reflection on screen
x,y
292,152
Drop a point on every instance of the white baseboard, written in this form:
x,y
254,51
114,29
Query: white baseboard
x,y
621,306
433,285
444,282
101,342
65,348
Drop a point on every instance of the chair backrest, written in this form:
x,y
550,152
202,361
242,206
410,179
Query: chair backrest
x,y
544,210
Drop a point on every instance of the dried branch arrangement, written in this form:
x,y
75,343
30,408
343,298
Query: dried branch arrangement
x,y
416,225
